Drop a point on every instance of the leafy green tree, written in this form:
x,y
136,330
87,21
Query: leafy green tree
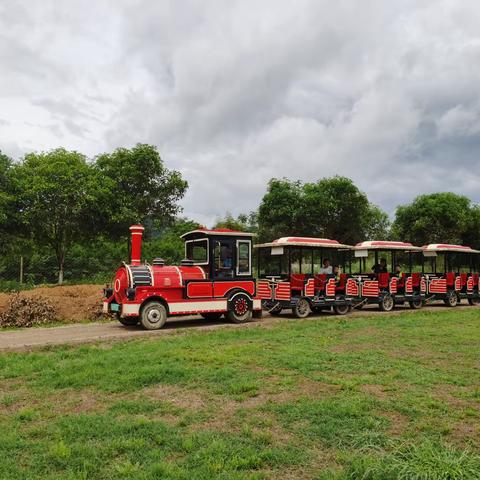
x,y
281,210
56,194
471,236
5,190
437,217
244,222
331,208
138,188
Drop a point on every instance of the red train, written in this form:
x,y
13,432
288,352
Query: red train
x,y
300,274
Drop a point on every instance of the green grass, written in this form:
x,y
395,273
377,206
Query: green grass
x,y
371,397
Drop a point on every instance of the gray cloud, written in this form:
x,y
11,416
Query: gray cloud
x,y
234,93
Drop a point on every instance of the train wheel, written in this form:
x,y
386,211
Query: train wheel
x,y
212,316
301,308
341,309
239,308
386,303
474,301
416,304
153,316
128,321
452,299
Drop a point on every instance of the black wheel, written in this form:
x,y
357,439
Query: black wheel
x,y
212,316
452,298
474,301
416,304
301,308
386,303
275,311
239,308
128,321
153,315
341,309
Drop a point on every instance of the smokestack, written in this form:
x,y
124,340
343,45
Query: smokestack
x,y
137,232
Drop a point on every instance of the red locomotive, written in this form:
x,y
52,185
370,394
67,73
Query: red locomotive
x,y
214,279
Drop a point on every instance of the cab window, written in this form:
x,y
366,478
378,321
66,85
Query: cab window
x,y
197,250
223,253
244,257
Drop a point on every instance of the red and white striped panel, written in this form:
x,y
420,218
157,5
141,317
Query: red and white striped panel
x,y
330,288
458,283
437,285
393,285
352,288
264,290
310,288
409,285
469,284
370,288
282,292
423,285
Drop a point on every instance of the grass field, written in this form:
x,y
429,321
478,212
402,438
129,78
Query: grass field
x,y
373,397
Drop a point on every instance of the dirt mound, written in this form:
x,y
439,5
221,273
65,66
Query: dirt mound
x,y
27,312
71,302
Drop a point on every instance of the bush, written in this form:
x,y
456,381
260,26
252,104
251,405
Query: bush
x,y
27,312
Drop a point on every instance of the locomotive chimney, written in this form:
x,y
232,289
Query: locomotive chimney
x,y
137,232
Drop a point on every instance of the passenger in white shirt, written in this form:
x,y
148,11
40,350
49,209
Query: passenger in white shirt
x,y
327,268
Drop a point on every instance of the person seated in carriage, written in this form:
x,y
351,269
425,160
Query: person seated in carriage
x,y
327,268
336,272
398,271
380,267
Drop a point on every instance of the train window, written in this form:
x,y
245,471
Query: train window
x,y
295,258
197,250
223,254
417,259
244,257
271,265
307,260
317,260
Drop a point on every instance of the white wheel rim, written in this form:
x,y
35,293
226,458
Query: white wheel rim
x,y
154,315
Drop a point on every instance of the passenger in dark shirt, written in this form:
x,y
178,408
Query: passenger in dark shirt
x,y
380,267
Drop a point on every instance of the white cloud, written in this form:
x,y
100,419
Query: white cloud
x,y
234,93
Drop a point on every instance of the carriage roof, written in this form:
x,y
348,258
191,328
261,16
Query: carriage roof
x,y
446,247
386,245
305,242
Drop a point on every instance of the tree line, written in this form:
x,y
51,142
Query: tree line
x,y
68,216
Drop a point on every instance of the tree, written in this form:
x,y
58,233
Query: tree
x,y
5,189
55,193
331,208
140,188
434,218
244,222
280,211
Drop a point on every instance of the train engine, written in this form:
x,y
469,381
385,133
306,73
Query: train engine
x,y
215,279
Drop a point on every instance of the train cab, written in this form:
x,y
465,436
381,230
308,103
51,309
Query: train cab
x,y
303,274
387,273
452,273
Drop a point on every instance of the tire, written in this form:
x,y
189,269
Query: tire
x,y
301,308
452,299
128,321
153,315
239,308
416,304
212,316
474,301
386,303
341,309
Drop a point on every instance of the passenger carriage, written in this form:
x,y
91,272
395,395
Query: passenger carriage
x,y
289,278
215,278
451,273
374,284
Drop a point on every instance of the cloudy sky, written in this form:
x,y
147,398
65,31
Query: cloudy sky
x,y
236,92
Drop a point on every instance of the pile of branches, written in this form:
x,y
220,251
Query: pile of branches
x,y
27,312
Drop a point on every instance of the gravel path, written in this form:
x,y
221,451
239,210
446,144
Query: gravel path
x,y
32,338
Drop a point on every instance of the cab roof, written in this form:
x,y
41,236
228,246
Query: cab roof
x,y
385,245
219,232
304,242
446,247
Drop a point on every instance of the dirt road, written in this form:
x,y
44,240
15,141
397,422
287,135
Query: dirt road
x,y
32,338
